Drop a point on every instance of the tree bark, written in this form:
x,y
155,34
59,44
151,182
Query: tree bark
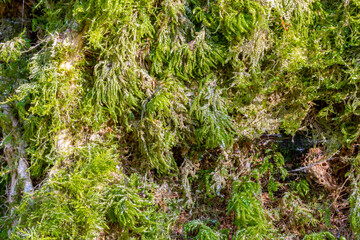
x,y
15,155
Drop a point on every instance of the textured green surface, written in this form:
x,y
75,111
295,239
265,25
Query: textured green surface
x,y
107,91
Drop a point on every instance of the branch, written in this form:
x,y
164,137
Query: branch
x,y
303,169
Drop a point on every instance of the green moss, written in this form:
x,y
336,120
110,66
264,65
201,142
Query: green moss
x,y
148,85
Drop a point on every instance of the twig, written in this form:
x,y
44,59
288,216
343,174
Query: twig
x,y
283,24
22,15
35,46
311,165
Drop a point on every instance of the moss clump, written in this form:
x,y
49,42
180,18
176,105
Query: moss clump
x,y
209,92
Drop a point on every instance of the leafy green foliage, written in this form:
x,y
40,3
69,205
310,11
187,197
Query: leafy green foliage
x,y
210,110
11,50
272,165
302,215
80,201
250,217
319,236
126,208
302,187
203,231
354,197
139,84
71,204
